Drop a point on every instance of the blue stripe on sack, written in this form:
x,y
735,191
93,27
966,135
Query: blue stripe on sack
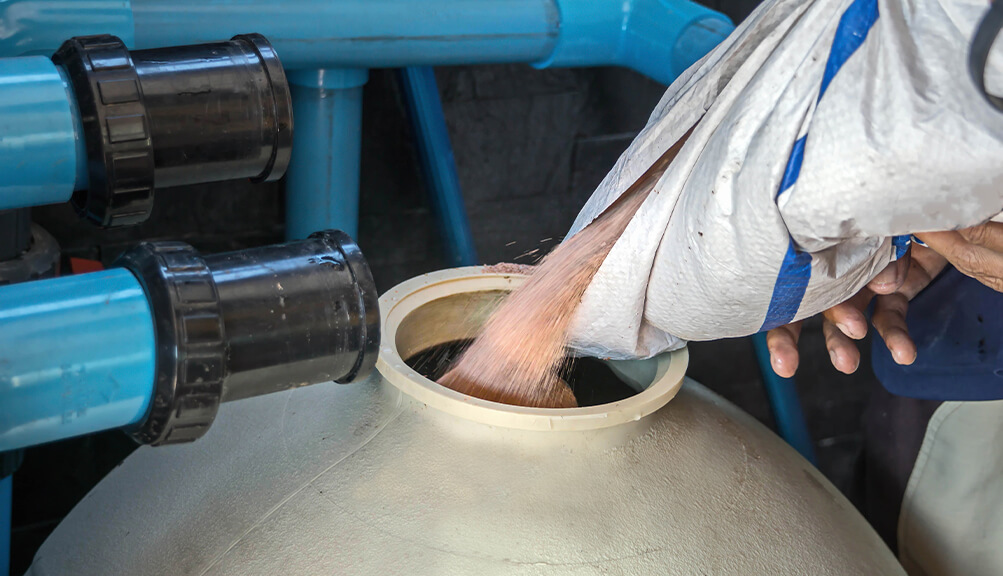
x,y
854,25
792,282
901,244
795,270
793,169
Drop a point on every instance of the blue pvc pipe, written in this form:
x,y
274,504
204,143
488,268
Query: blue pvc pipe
x,y
435,153
6,497
322,183
659,38
41,26
784,402
76,356
42,152
312,34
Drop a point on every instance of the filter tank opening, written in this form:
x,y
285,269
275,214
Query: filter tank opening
x,y
426,319
592,381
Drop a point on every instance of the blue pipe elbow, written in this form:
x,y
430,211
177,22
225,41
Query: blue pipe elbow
x,y
658,38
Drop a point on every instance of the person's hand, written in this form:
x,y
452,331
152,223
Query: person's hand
x,y
892,290
976,252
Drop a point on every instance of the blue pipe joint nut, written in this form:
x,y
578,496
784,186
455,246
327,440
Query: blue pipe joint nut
x,y
174,116
241,324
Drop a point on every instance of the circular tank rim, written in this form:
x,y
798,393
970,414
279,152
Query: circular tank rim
x,y
397,303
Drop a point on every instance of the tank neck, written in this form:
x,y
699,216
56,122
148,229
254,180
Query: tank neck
x,y
450,305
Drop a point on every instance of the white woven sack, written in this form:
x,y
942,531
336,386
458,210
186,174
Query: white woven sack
x,y
825,132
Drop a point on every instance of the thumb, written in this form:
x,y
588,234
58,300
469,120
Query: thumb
x,y
892,277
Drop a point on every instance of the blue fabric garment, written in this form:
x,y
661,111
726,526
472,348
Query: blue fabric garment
x,y
957,324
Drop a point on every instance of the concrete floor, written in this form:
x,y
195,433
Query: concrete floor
x,y
530,147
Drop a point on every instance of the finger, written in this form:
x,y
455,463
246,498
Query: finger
x,y
974,260
926,263
891,278
782,343
889,320
989,235
925,266
849,316
842,351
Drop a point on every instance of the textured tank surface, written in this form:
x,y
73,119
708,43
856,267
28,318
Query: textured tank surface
x,y
397,475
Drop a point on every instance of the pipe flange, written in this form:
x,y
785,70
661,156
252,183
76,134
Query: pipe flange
x,y
116,130
191,349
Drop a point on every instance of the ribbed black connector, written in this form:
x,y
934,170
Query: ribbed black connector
x,y
246,323
175,116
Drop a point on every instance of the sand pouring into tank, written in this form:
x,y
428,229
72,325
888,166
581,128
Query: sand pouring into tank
x,y
516,358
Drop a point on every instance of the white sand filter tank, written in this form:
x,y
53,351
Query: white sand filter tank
x,y
398,475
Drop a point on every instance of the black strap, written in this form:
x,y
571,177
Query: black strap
x,y
982,44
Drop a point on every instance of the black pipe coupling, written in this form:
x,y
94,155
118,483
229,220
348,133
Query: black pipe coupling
x,y
175,116
247,323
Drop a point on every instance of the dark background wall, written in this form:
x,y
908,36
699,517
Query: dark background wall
x,y
530,148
